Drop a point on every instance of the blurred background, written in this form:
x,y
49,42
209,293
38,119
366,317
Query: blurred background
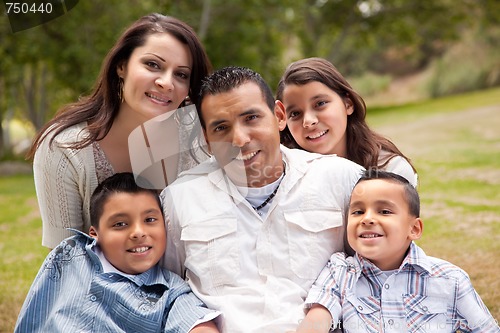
x,y
392,51
429,71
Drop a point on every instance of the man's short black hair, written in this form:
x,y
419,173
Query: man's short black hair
x,y
228,78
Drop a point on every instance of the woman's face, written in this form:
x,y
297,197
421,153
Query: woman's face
x,y
317,117
156,77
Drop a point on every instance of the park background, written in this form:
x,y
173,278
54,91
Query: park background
x,y
429,71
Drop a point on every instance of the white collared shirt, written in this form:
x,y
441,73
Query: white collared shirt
x,y
257,269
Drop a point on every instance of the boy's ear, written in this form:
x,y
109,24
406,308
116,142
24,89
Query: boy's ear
x,y
93,232
416,229
280,113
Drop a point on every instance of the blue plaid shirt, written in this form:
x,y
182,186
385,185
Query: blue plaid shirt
x,y
424,295
71,293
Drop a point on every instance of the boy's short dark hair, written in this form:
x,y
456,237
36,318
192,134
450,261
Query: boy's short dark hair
x,y
412,197
123,182
228,78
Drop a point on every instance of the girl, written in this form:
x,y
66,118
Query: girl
x,y
325,115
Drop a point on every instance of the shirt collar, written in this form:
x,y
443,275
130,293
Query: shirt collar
x,y
415,257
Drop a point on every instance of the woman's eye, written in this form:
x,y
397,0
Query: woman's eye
x,y
293,114
386,211
356,212
183,75
119,224
152,64
151,219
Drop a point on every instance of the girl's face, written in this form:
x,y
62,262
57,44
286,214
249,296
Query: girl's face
x,y
156,77
317,117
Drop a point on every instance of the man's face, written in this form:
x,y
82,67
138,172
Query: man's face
x,y
243,135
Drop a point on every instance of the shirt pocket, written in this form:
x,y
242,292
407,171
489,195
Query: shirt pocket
x,y
426,314
361,314
212,251
313,235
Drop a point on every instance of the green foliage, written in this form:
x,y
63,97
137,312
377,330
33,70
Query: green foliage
x,y
369,83
52,64
472,65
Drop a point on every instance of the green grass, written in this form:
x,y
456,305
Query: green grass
x,y
409,112
456,154
22,253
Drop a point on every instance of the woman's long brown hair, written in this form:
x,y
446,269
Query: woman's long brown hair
x,y
101,107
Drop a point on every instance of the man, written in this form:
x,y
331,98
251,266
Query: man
x,y
252,227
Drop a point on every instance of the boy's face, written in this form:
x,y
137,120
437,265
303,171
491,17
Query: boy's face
x,y
131,232
243,134
379,225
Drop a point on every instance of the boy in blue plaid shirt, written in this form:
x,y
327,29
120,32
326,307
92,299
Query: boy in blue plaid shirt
x,y
390,284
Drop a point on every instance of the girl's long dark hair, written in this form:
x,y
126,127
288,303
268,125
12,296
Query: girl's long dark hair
x,y
363,144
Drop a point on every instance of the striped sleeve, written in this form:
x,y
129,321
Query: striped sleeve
x,y
327,289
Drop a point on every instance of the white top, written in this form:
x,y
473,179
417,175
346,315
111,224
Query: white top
x,y
400,166
64,181
257,269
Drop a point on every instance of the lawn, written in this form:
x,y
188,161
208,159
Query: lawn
x,y
454,143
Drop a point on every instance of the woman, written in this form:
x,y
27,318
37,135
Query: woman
x,y
325,115
155,67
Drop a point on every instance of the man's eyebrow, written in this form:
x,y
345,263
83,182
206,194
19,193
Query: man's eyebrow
x,y
216,123
249,112
245,113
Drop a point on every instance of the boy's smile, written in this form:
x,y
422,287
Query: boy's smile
x,y
131,232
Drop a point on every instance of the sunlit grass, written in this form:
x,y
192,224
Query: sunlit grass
x,y
22,253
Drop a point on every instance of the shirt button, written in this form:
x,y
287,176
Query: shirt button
x,y
390,322
93,298
360,308
424,308
386,286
